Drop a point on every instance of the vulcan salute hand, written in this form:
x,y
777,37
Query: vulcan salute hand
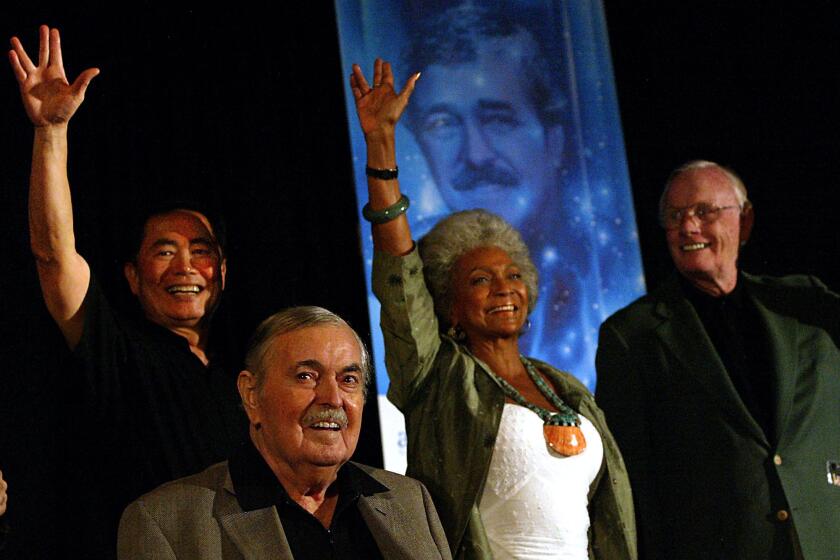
x,y
3,496
379,107
49,99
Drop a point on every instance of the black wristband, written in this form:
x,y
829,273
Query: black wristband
x,y
384,174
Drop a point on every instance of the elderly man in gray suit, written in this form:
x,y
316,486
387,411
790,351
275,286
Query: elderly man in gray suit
x,y
290,492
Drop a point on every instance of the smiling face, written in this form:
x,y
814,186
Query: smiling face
x,y
481,134
308,411
707,253
490,300
179,273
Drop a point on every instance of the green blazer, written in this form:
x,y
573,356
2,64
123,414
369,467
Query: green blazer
x,y
707,482
199,517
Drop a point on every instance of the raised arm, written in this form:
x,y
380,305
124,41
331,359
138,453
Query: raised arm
x,y
407,318
379,108
3,496
50,101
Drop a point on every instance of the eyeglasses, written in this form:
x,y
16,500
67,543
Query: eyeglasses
x,y
671,218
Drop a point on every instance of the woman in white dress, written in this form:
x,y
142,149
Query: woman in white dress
x,y
516,454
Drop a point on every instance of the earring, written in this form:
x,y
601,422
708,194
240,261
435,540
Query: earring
x,y
456,333
526,327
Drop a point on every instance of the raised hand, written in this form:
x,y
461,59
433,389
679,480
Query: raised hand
x,y
49,99
379,107
3,496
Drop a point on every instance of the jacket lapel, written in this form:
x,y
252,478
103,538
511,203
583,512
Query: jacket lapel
x,y
683,334
393,530
783,334
257,534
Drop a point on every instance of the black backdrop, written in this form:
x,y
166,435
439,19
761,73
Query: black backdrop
x,y
243,106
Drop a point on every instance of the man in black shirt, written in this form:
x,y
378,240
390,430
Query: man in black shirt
x,y
151,400
722,390
290,491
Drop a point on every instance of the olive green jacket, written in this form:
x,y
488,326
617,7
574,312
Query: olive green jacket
x,y
452,410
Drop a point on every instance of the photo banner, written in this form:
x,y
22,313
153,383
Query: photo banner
x,y
515,112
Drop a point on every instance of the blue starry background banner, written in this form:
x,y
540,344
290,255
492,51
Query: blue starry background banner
x,y
515,112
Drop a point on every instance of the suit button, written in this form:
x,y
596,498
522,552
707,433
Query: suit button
x,y
489,441
777,459
782,515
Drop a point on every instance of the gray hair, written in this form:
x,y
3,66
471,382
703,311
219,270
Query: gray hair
x,y
736,182
290,320
460,233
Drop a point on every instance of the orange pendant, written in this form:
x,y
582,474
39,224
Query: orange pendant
x,y
565,440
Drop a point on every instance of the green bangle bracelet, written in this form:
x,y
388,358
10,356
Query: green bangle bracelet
x,y
386,214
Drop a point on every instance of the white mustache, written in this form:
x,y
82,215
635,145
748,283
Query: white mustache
x,y
336,415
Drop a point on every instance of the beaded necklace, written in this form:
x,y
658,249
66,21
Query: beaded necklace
x,y
561,429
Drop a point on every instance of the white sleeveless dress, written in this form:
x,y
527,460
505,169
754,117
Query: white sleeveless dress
x,y
534,504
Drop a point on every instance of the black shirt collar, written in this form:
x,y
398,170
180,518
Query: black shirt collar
x,y
170,339
700,299
257,487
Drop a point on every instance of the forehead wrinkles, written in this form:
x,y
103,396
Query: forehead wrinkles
x,y
708,185
330,351
194,224
487,256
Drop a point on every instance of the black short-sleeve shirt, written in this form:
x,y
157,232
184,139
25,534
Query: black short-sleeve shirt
x,y
153,412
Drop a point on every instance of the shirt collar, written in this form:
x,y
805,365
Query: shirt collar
x,y
257,487
736,298
171,339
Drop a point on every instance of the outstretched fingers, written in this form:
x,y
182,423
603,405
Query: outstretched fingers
x,y
25,61
377,72
379,106
20,73
387,74
44,46
408,89
81,83
358,83
21,59
55,51
382,75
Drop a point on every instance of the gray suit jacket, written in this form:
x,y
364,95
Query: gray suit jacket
x,y
706,480
199,517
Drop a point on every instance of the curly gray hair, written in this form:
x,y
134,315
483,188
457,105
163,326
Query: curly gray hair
x,y
460,233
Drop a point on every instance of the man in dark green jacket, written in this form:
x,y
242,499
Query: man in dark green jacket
x,y
723,392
